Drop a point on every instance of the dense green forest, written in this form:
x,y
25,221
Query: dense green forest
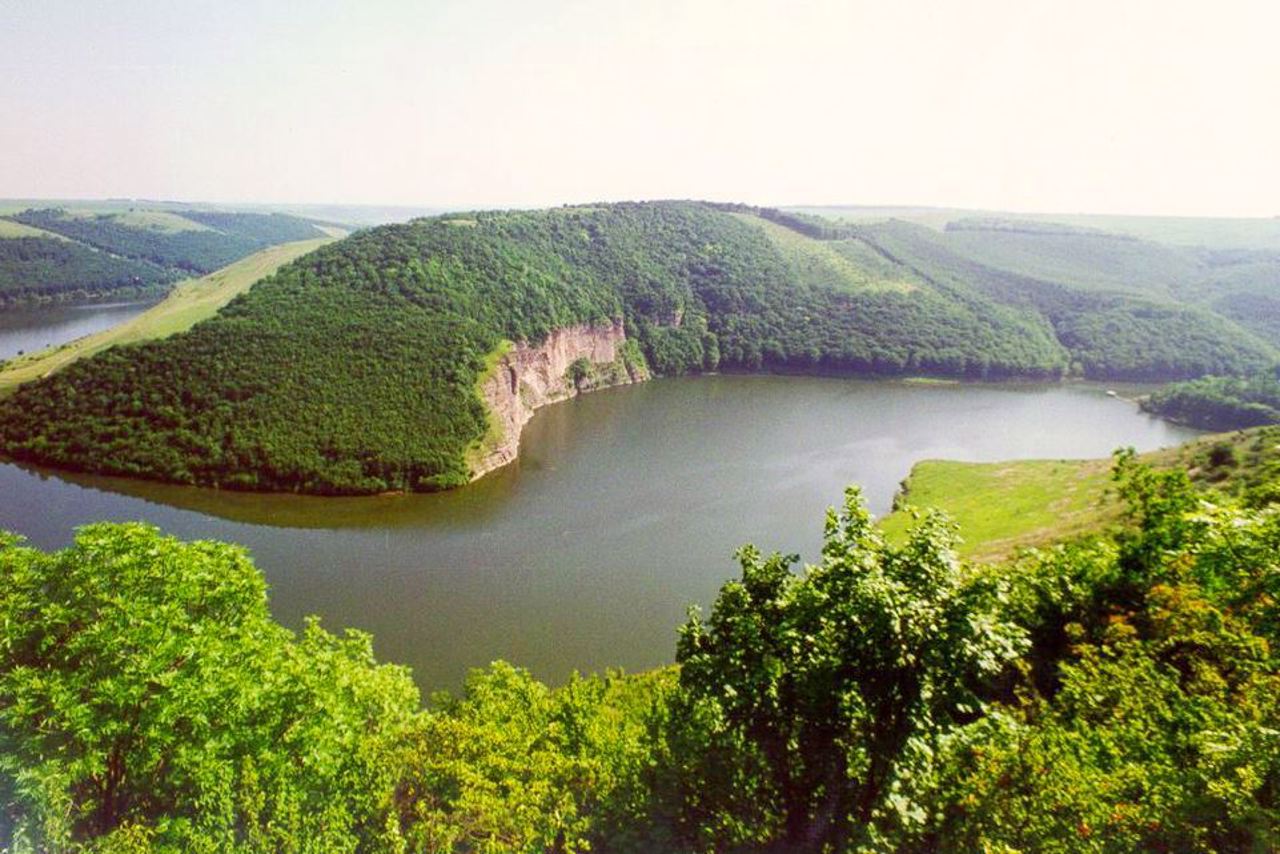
x,y
36,268
59,254
354,369
1110,694
1220,403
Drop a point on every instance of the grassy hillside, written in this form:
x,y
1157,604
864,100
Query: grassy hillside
x,y
11,229
1007,505
1261,233
154,220
192,240
1110,333
836,264
1238,284
94,252
188,304
1245,287
1229,267
1001,507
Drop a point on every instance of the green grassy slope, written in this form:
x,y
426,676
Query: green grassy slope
x,y
1004,506
186,240
1001,507
156,220
10,229
1262,233
1245,287
1238,284
835,264
1227,267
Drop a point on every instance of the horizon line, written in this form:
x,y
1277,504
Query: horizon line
x,y
454,207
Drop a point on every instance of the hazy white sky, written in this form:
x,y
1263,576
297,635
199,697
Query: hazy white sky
x,y
1124,106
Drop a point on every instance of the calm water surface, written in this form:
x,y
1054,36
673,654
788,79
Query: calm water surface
x,y
29,330
624,507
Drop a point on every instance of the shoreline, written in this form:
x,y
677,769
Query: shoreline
x,y
45,469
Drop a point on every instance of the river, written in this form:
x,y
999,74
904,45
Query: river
x,y
624,508
30,329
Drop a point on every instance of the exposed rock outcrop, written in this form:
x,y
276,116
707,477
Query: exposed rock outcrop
x,y
572,360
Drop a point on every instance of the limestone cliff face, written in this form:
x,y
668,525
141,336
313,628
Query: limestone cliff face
x,y
572,360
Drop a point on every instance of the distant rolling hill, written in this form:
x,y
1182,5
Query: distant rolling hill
x,y
1257,233
369,364
1082,258
69,253
1136,332
1230,267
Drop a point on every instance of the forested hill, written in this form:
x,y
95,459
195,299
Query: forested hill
x,y
355,368
1099,294
63,254
1220,403
1223,267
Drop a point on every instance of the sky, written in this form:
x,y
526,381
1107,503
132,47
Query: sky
x,y
1100,106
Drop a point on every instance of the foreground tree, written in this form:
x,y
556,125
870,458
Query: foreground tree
x,y
149,703
148,699
1114,694
1160,729
838,685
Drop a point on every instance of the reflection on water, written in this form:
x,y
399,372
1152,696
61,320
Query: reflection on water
x,y
624,507
470,506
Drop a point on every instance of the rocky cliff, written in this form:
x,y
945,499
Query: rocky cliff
x,y
571,360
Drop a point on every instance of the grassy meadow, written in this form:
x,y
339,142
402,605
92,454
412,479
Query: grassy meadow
x,y
819,263
1001,507
169,223
1006,506
10,229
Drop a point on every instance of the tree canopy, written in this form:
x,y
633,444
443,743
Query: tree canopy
x,y
1220,403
